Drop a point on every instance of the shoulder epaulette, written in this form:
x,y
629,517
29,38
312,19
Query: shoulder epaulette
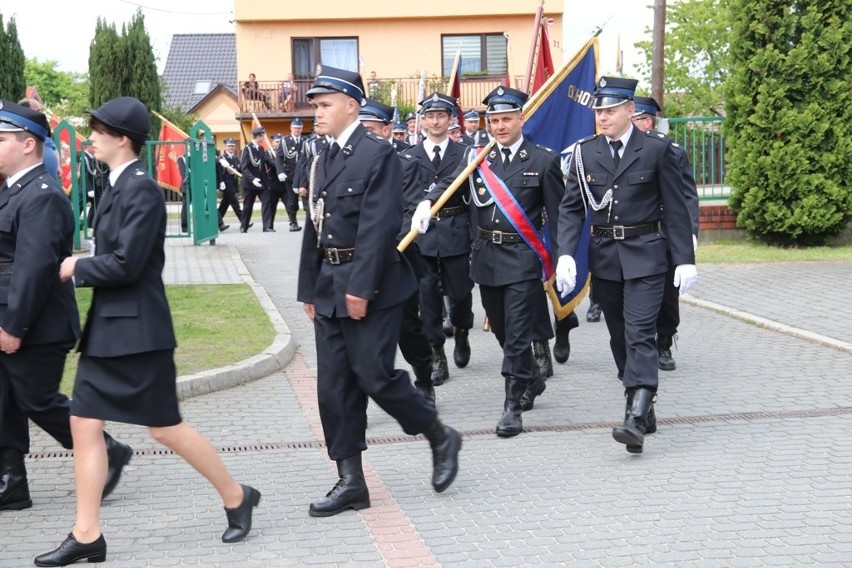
x,y
545,148
656,134
586,139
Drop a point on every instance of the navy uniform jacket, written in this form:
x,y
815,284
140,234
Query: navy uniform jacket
x,y
129,312
255,155
534,177
690,192
447,236
311,147
229,178
363,208
287,155
412,191
184,169
400,145
36,231
647,187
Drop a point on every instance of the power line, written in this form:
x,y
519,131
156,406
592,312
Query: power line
x,y
182,12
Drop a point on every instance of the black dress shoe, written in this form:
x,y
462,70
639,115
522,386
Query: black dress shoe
x,y
224,228
461,352
350,491
446,443
71,551
118,456
14,489
594,313
294,227
269,230
239,518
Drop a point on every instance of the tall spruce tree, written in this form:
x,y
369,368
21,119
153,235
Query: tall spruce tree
x,y
105,65
789,119
141,76
12,61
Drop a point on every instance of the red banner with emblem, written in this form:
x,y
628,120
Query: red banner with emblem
x,y
168,173
65,169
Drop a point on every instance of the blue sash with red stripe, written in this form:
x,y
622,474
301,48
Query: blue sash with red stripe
x,y
516,215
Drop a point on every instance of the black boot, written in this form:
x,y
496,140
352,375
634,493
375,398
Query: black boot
x,y
594,313
562,345
350,492
447,325
541,354
532,390
14,489
636,420
510,424
664,348
239,518
446,444
461,352
423,381
440,371
71,551
118,456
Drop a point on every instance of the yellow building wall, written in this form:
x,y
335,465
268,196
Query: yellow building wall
x,y
218,114
395,39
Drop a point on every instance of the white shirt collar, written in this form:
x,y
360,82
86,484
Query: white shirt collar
x,y
624,138
114,173
344,136
428,145
514,147
10,181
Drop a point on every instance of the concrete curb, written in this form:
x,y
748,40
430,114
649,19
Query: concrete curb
x,y
769,324
271,360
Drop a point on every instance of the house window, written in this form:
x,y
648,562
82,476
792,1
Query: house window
x,y
482,54
340,52
202,87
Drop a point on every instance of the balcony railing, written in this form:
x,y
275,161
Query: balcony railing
x,y
268,98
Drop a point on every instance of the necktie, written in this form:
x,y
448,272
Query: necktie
x,y
436,159
616,146
332,154
507,156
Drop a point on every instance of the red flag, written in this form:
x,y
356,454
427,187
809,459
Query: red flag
x,y
544,61
64,152
168,173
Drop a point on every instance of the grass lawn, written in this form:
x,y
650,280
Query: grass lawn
x,y
728,252
216,325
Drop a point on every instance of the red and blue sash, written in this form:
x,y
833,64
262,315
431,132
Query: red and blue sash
x,y
516,215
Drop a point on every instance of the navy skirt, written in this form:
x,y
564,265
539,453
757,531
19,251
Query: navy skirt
x,y
136,389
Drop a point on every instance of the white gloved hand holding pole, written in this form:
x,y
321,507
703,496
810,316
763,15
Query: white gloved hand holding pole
x,y
566,275
421,217
224,163
282,176
222,185
256,182
685,277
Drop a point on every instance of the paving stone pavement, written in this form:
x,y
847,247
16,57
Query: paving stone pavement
x,y
751,466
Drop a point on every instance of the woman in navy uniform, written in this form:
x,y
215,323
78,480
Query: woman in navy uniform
x,y
126,371
353,283
506,268
632,183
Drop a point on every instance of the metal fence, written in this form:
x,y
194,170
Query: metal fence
x,y
704,143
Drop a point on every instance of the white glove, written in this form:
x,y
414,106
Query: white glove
x,y
224,163
566,275
685,276
694,244
282,176
256,182
422,216
222,185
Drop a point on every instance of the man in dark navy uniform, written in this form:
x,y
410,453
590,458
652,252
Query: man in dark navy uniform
x,y
632,183
229,185
353,283
287,157
39,322
506,267
446,248
398,140
645,119
471,126
254,164
277,187
415,348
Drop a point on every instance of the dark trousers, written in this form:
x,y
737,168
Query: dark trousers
x,y
29,388
512,314
249,195
291,201
413,343
269,207
631,308
450,274
354,361
543,330
229,199
669,317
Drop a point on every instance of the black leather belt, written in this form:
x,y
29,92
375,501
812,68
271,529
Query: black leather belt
x,y
338,255
7,267
451,211
499,237
621,232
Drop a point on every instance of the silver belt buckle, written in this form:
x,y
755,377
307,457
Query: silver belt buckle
x,y
497,237
334,257
618,232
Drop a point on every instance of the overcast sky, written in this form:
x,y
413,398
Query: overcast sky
x,y
62,30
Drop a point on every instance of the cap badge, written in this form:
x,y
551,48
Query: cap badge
x,y
436,98
602,82
500,91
